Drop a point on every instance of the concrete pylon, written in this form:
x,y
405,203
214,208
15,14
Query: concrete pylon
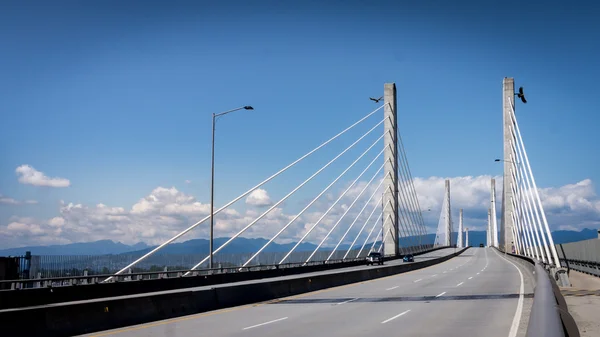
x,y
467,237
494,219
489,228
390,184
448,217
506,219
459,241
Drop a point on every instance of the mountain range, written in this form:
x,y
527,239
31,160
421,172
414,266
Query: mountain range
x,y
241,245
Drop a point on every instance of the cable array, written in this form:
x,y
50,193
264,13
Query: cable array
x,y
531,233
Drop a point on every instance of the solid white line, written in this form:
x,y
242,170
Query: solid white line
x,y
348,301
441,294
265,323
517,319
392,288
418,280
400,314
458,285
470,277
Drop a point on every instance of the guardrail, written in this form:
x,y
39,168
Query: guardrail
x,y
588,267
141,276
550,315
81,317
141,283
62,281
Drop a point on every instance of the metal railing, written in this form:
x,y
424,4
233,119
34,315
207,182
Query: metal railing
x,y
165,272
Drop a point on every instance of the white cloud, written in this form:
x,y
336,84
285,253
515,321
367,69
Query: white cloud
x,y
11,201
188,181
31,176
164,212
259,198
8,201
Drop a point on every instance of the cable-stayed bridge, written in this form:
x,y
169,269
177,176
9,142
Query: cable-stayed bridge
x,y
369,207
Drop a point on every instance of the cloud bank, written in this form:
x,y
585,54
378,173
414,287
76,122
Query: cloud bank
x,y
164,212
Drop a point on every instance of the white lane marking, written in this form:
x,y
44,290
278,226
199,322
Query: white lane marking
x,y
392,318
441,294
419,280
444,272
265,323
392,288
470,277
477,273
348,301
517,319
434,275
458,285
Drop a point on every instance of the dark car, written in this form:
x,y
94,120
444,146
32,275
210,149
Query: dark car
x,y
408,258
374,258
481,245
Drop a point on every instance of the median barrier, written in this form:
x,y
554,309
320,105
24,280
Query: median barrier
x,y
79,317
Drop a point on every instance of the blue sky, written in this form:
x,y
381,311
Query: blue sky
x,y
117,97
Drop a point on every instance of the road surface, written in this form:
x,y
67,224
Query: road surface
x,y
475,294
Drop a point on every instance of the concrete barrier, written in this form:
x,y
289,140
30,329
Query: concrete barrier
x,y
73,318
49,295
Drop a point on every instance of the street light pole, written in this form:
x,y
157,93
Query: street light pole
x,y
212,180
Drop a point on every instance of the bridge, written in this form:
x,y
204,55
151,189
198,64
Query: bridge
x,y
454,287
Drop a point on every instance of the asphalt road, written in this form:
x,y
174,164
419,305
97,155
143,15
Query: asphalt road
x,y
474,294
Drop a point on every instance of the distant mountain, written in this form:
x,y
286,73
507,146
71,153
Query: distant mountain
x,y
243,245
239,245
572,236
83,248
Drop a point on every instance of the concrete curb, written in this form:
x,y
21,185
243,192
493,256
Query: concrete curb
x,y
75,318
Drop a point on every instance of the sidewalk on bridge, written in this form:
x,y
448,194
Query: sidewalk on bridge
x,y
583,299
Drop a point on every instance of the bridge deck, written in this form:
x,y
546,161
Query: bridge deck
x,y
473,294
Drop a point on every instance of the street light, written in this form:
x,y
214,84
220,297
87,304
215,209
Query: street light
x,y
212,179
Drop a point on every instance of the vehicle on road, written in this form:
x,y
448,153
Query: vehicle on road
x,y
374,258
481,245
408,258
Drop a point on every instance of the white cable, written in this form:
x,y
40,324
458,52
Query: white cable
x,y
532,204
242,195
375,240
315,199
353,222
529,206
409,219
524,230
363,226
328,210
413,219
284,198
528,218
373,228
550,239
411,180
523,237
346,212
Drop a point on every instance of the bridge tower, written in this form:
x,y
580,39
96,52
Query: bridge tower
x,y
466,237
448,215
494,217
489,229
459,241
390,184
506,219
